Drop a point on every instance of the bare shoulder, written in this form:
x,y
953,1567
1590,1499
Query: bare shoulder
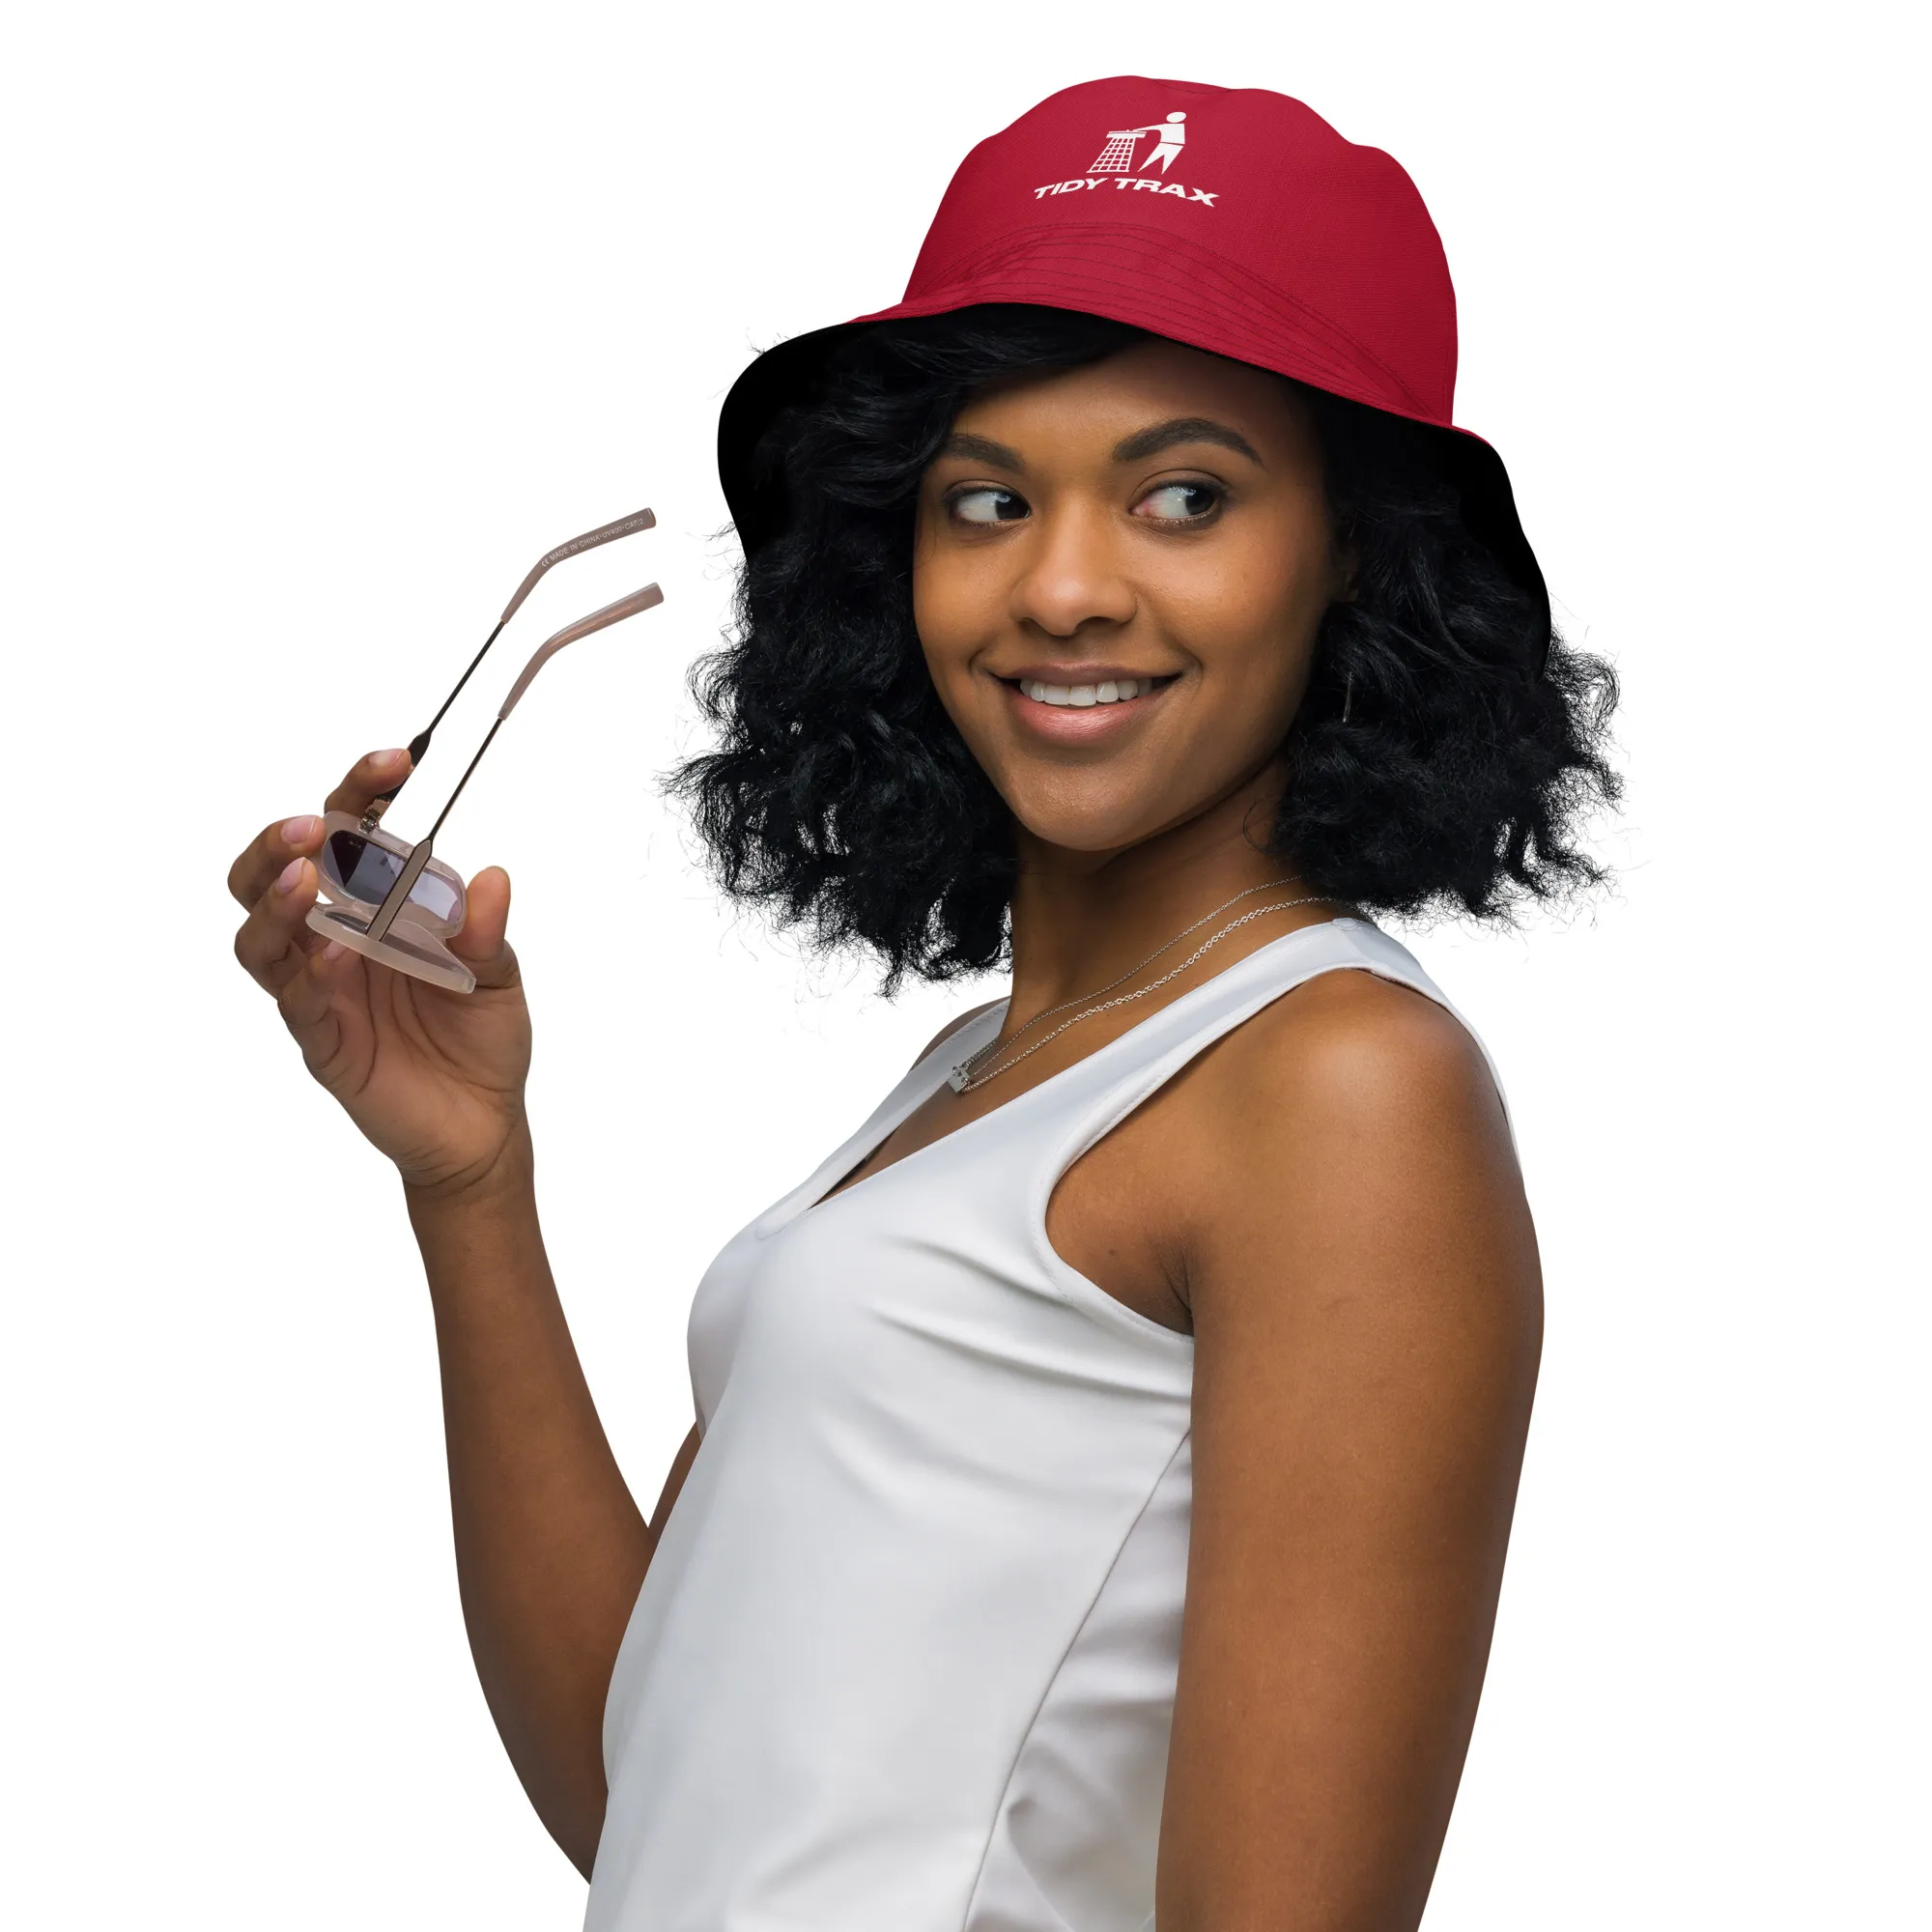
x,y
1350,1138
1353,1054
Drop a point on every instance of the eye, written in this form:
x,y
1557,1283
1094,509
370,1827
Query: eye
x,y
987,503
1181,503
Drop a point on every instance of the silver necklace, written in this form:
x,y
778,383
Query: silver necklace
x,y
974,1072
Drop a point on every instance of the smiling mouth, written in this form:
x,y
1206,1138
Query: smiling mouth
x,y
1084,696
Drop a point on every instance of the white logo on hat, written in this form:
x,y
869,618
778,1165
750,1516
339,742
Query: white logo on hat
x,y
1117,157
1115,163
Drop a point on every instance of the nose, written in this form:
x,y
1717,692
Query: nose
x,y
1073,574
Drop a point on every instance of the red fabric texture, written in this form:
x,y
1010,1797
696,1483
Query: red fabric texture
x,y
1247,227
1314,257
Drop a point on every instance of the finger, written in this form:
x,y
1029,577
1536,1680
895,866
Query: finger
x,y
366,780
266,855
308,997
481,944
273,941
250,876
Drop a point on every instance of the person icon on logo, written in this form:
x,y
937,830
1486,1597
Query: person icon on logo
x,y
1173,137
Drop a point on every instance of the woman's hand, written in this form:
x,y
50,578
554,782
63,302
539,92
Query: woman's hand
x,y
435,1079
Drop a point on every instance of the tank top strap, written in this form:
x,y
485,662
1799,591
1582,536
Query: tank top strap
x,y
1044,1131
1152,1053
1048,1128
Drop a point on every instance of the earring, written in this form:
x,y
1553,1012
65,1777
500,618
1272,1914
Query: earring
x,y
1347,697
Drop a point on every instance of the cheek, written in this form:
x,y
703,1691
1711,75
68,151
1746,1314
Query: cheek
x,y
953,612
1253,623
934,597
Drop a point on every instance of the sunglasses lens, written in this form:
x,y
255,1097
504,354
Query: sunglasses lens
x,y
363,870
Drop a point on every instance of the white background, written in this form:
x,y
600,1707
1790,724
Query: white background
x,y
323,321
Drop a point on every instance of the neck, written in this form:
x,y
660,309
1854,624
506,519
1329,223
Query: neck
x,y
1081,917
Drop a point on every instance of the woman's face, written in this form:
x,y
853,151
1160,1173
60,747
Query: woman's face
x,y
1117,576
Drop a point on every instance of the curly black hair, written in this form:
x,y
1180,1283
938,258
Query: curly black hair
x,y
1443,755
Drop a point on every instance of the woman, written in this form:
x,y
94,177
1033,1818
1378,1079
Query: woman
x,y
1105,1460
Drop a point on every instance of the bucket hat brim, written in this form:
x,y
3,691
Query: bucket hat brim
x,y
1208,310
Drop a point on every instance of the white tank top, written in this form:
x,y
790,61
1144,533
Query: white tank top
x,y
905,1660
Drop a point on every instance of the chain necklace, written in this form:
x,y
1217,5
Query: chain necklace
x,y
974,1072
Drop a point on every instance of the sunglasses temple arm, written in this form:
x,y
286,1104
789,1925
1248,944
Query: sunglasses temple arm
x,y
422,851
624,527
419,743
638,520
419,853
598,620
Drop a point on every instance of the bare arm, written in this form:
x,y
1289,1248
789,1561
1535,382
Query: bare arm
x,y
1362,1277
550,1547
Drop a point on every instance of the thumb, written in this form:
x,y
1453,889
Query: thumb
x,y
481,944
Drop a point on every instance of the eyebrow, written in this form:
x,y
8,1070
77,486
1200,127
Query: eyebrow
x,y
982,449
1151,442
1136,448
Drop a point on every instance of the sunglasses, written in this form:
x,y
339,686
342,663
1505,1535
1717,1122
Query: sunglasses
x,y
397,903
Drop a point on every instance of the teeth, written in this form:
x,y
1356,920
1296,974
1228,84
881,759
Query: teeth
x,y
1114,691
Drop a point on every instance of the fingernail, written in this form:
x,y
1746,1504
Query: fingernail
x,y
300,831
383,760
290,876
333,951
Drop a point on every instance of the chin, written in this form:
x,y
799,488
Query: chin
x,y
1086,838
1109,827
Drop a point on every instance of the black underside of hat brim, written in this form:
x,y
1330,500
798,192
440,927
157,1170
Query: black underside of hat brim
x,y
787,374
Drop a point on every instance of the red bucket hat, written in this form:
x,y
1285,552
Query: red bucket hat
x,y
1230,219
